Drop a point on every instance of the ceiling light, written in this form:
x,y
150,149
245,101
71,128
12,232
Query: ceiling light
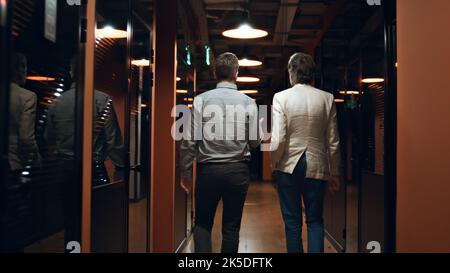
x,y
111,33
245,31
247,63
349,92
182,91
249,91
247,79
339,100
40,78
178,79
188,99
372,80
141,63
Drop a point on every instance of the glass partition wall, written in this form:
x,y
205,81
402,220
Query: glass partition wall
x,y
185,93
41,94
121,140
353,61
41,123
140,106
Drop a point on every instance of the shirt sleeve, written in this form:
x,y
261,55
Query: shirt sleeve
x,y
188,147
255,130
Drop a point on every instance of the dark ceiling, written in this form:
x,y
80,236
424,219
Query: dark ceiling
x,y
344,35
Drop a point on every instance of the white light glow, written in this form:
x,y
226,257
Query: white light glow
x,y
245,31
372,80
248,63
111,33
249,91
141,63
247,79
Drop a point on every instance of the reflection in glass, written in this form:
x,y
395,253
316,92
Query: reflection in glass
x,y
42,189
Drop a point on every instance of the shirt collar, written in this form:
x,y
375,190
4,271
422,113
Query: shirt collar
x,y
227,85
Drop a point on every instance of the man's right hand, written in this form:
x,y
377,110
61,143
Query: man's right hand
x,y
186,184
334,184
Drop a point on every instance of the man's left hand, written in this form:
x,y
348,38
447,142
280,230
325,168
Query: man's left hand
x,y
186,184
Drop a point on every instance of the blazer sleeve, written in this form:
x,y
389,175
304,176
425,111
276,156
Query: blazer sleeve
x,y
332,136
278,140
114,143
28,144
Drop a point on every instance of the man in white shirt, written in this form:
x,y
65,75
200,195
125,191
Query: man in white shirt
x,y
222,156
305,153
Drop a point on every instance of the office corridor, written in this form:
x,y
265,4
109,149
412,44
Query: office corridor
x,y
262,229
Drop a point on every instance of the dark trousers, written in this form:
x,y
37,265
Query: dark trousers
x,y
291,189
229,182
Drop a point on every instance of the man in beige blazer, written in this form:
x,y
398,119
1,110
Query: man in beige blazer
x,y
305,153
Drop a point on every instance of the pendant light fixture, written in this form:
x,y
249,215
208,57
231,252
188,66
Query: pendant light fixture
x,y
111,33
245,30
248,60
247,79
41,78
372,80
249,92
244,62
141,63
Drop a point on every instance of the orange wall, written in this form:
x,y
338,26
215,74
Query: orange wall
x,y
423,178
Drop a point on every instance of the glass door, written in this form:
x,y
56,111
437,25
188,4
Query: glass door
x,y
110,160
40,97
140,106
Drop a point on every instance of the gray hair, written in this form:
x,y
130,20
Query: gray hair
x,y
227,65
301,69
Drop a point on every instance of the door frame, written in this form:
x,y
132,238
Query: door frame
x,y
390,186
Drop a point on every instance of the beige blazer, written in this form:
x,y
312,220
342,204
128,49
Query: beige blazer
x,y
304,121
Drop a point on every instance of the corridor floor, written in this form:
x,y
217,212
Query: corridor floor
x,y
262,229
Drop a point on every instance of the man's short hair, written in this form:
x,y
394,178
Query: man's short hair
x,y
301,69
19,68
227,65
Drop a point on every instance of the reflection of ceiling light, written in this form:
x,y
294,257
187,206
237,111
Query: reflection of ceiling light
x,y
190,105
349,92
247,79
141,63
339,100
372,80
247,63
111,33
249,91
178,79
40,78
182,91
143,105
245,31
